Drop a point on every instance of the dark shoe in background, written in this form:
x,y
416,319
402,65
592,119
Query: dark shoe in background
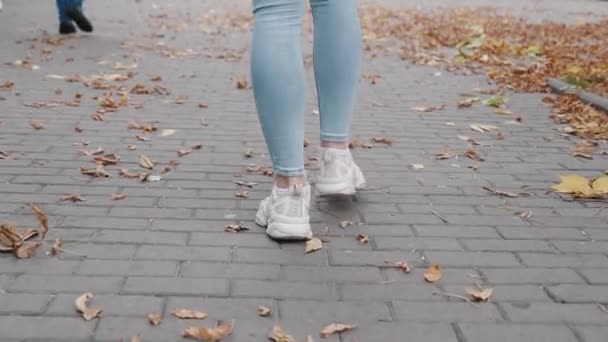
x,y
81,21
67,28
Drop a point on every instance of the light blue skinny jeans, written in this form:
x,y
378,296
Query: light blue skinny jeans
x,y
278,78
63,5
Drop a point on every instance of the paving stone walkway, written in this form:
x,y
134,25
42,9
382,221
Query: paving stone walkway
x,y
164,245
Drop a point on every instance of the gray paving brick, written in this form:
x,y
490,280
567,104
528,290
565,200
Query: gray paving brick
x,y
509,293
98,251
147,237
592,334
5,281
23,304
59,284
104,223
378,218
151,212
513,332
531,233
371,258
595,276
415,332
331,311
331,273
389,291
282,290
124,328
175,286
486,245
280,257
127,268
532,276
185,253
45,328
580,293
457,231
37,266
564,260
185,225
231,271
112,305
554,313
240,239
472,258
410,244
581,246
433,312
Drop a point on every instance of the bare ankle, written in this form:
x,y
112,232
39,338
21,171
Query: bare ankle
x,y
286,182
336,145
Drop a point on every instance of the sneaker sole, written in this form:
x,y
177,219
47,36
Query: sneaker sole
x,y
287,231
335,189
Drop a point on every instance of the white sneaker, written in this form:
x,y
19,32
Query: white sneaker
x,y
339,175
285,213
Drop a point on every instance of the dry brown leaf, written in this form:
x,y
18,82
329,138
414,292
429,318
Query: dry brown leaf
x,y
99,171
481,294
131,147
145,162
27,250
500,136
73,198
313,245
362,238
189,314
142,138
81,304
502,111
108,159
56,248
117,197
482,128
433,274
472,154
241,84
42,219
336,328
525,215
203,105
501,193
242,194
37,125
264,311
247,184
136,338
309,339
402,265
445,153
154,318
127,174
248,152
277,334
209,334
27,233
345,223
427,109
235,228
383,140
468,102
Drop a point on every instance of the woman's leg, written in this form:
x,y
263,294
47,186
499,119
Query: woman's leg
x,y
62,6
337,63
277,74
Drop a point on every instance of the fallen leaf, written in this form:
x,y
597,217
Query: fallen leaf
x,y
147,127
56,248
142,138
313,245
209,334
242,194
277,334
525,215
427,109
248,152
81,304
482,128
203,105
37,125
235,228
154,318
404,266
345,223
247,184
495,101
264,311
99,171
42,219
336,328
468,102
581,187
386,141
241,84
27,250
145,162
131,147
481,294
136,338
472,154
73,198
417,166
433,274
117,197
500,136
362,238
501,193
108,159
309,339
167,132
445,153
188,314
502,111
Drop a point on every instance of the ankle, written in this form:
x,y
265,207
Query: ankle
x,y
335,145
286,182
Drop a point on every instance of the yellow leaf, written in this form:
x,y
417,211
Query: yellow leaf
x,y
313,244
336,328
81,304
208,334
188,314
600,185
573,184
433,274
264,311
481,294
277,334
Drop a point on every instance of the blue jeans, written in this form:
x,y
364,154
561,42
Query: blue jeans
x,y
64,5
278,79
